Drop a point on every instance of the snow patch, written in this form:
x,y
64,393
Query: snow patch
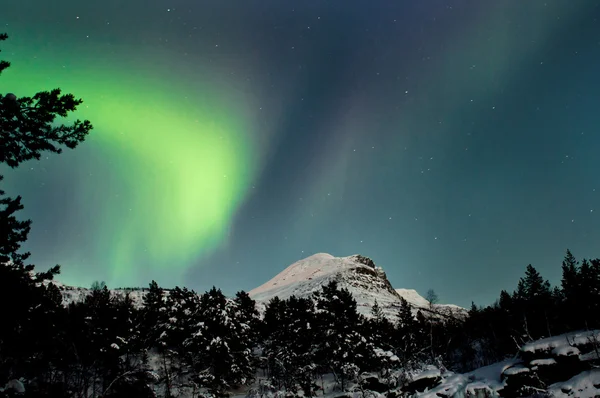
x,y
565,351
515,370
584,385
559,342
543,362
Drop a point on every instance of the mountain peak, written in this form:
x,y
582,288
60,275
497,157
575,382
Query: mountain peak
x,y
357,273
317,256
316,267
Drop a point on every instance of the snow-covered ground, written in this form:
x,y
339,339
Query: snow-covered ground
x,y
564,344
536,356
584,385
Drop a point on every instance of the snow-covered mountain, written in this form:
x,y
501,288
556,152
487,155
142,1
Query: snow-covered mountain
x,y
358,274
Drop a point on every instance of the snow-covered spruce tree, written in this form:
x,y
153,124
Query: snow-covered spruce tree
x,y
248,316
134,376
290,344
152,325
27,129
405,334
103,347
182,316
379,331
102,325
341,350
153,314
274,344
220,358
300,322
246,333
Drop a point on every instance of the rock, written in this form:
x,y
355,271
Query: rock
x,y
394,394
478,389
520,381
374,384
423,381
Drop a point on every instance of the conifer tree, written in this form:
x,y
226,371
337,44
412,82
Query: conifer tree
x,y
245,336
290,346
181,314
588,294
379,332
153,315
28,128
27,125
300,323
248,316
342,349
594,289
275,346
569,280
533,298
132,373
153,324
570,304
221,358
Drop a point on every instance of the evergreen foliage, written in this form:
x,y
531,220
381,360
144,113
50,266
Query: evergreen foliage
x,y
341,348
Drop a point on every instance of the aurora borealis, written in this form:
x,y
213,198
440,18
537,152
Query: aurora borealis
x,y
454,142
172,164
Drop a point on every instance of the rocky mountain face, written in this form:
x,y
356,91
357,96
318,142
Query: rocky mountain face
x,y
358,274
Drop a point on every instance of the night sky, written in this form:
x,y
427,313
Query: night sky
x,y
453,142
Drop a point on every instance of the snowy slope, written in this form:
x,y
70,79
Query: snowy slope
x,y
72,294
413,298
419,302
356,273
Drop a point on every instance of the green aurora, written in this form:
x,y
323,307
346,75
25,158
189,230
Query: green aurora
x,y
179,161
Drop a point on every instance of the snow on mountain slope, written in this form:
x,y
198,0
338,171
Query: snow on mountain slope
x,y
356,273
420,302
413,298
73,294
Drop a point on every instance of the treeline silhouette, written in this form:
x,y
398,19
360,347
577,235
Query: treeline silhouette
x,y
180,342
